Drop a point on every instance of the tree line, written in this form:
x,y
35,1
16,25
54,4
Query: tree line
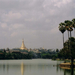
x,y
29,55
4,55
68,49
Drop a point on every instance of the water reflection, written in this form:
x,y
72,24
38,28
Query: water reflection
x,y
68,71
4,67
22,68
33,67
72,71
7,68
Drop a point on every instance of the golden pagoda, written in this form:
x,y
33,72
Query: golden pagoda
x,y
23,46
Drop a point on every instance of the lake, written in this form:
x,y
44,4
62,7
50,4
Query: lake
x,y
32,67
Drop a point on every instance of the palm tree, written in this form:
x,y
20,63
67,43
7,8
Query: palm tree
x,y
69,27
73,21
62,30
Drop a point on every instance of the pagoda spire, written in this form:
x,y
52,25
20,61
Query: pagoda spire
x,y
23,45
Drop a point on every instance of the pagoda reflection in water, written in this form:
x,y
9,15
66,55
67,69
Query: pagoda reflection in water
x,y
22,69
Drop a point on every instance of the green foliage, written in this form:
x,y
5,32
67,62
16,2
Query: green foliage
x,y
29,55
62,27
15,55
68,50
57,50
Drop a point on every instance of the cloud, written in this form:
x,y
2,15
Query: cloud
x,y
36,21
11,16
14,34
59,3
17,26
3,25
54,30
30,19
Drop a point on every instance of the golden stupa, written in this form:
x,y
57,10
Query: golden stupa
x,y
23,46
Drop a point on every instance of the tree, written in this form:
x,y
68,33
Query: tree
x,y
57,50
72,48
62,29
73,21
67,53
69,27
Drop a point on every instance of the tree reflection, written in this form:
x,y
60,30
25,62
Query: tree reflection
x,y
67,70
4,67
72,71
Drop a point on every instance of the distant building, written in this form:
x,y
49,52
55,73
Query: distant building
x,y
23,46
24,52
16,51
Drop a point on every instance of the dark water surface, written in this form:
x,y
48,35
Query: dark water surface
x,y
32,67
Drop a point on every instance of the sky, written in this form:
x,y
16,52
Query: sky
x,y
35,21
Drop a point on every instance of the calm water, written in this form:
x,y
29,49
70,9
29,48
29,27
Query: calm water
x,y
31,67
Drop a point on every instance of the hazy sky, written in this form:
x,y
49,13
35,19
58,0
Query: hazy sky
x,y
35,21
